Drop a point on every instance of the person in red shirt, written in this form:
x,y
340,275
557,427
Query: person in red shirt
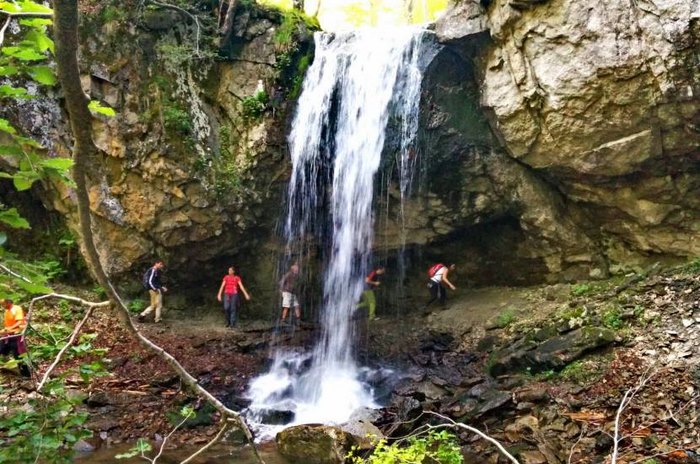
x,y
229,290
12,337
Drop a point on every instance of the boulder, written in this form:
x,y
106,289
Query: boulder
x,y
314,444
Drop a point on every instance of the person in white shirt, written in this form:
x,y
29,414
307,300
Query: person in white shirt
x,y
438,275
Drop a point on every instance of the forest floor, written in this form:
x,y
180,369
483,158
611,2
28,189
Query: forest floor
x,y
656,319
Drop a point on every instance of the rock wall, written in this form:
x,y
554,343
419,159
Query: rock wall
x,y
562,137
192,167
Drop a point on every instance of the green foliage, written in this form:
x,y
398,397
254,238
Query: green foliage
x,y
139,449
612,318
176,119
255,105
438,447
581,289
506,318
136,305
113,13
45,429
142,446
692,267
98,108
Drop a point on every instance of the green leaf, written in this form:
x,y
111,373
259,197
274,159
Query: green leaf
x,y
10,7
12,218
5,126
32,287
8,70
29,6
59,164
9,91
39,40
97,107
23,180
36,22
43,75
11,150
23,53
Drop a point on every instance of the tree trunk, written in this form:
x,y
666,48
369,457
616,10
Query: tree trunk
x,y
84,156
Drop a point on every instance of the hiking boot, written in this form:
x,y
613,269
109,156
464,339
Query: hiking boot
x,y
140,318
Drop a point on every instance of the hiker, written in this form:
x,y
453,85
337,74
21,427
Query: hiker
x,y
229,289
151,281
289,287
438,274
372,281
12,336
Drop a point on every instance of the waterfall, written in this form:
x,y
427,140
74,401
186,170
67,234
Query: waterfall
x,y
355,84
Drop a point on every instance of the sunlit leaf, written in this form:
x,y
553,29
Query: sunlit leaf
x,y
8,70
43,75
29,6
5,126
40,41
97,107
36,22
59,164
23,53
9,91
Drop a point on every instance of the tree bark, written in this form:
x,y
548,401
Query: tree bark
x,y
84,156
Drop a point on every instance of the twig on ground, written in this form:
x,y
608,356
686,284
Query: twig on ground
x,y
208,445
165,438
476,431
626,400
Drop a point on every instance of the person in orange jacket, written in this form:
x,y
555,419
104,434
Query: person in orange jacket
x,y
12,336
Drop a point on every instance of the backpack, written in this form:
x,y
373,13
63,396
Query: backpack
x,y
433,269
146,278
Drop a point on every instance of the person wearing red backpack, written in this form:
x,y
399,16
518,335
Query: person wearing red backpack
x,y
437,274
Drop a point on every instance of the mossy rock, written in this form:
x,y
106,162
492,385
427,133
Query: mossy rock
x,y
314,444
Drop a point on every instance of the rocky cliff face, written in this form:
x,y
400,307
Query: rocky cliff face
x,y
562,137
193,165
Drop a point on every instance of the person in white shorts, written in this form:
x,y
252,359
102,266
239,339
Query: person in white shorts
x,y
289,286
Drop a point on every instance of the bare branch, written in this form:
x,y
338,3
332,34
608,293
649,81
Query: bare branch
x,y
216,438
2,40
573,448
70,341
626,400
469,428
2,266
165,439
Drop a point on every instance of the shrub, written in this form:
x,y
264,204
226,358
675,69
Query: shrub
x,y
506,318
255,105
438,447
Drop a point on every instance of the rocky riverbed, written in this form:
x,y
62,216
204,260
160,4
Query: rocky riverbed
x,y
541,369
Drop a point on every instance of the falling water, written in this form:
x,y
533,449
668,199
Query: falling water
x,y
355,83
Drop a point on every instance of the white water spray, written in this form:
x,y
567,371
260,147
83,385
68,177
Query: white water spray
x,y
355,83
